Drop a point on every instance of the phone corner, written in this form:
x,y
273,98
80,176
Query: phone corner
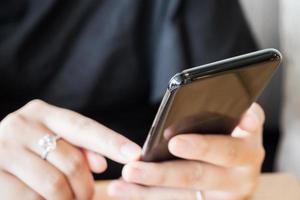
x,y
177,80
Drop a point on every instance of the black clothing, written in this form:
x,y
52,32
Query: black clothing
x,y
111,60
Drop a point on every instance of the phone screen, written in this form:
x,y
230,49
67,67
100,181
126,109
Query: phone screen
x,y
210,104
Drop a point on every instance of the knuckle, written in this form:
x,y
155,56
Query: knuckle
x,y
232,154
55,184
79,122
258,156
35,104
11,122
249,184
261,154
4,148
160,178
89,193
246,190
3,145
194,176
75,164
12,119
204,150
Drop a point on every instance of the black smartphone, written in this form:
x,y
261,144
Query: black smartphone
x,y
209,99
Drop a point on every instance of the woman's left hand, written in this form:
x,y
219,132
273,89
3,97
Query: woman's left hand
x,y
221,167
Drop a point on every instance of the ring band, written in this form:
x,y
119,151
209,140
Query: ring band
x,y
200,195
47,143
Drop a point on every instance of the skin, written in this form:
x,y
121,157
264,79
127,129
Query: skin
x,y
222,167
66,174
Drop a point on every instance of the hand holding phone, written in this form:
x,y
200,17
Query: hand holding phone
x,y
201,107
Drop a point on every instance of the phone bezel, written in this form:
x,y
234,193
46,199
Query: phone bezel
x,y
203,71
188,75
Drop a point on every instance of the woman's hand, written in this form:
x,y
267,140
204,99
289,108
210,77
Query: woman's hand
x,y
65,174
222,167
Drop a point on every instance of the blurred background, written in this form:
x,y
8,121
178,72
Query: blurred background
x,y
275,23
263,18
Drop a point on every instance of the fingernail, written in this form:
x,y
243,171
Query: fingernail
x,y
258,114
251,120
131,151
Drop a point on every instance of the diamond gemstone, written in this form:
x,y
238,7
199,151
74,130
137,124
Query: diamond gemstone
x,y
48,143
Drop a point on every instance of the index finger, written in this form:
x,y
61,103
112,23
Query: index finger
x,y
83,132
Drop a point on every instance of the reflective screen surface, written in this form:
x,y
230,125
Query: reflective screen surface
x,y
209,104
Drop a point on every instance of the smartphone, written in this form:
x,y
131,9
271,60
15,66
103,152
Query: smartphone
x,y
209,99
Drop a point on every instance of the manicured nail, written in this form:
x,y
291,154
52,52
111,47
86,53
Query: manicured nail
x,y
131,151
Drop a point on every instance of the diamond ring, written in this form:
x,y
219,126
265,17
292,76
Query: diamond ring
x,y
47,144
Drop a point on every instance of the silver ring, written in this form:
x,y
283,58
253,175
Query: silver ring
x,y
47,143
200,195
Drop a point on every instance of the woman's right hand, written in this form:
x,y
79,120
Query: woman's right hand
x,y
65,174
